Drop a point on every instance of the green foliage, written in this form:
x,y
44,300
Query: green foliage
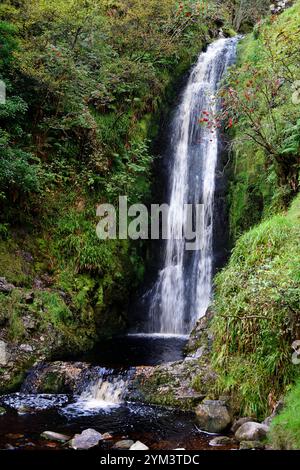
x,y
263,121
257,314
285,428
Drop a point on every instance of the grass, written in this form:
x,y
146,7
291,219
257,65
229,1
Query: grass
x,y
257,306
285,428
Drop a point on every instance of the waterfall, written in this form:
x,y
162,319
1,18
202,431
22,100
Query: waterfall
x,y
182,292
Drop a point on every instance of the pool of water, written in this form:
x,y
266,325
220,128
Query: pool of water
x,y
158,428
136,350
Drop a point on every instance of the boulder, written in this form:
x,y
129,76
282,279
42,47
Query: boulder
x,y
124,444
87,439
221,441
251,432
138,446
251,445
213,416
239,422
55,436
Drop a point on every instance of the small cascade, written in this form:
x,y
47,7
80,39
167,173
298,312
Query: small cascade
x,y
110,388
102,388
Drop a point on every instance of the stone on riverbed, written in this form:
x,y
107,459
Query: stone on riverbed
x,y
251,432
138,446
221,441
87,439
123,445
213,416
55,436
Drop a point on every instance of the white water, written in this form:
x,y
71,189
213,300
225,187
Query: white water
x,y
106,391
183,290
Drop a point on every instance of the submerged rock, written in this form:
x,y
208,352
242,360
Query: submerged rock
x,y
138,446
86,440
251,432
124,444
55,436
213,416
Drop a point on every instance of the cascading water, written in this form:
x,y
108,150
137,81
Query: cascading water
x,y
183,290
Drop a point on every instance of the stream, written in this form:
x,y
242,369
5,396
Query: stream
x,y
100,405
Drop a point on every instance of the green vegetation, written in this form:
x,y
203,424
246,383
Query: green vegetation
x,y
262,113
285,429
257,314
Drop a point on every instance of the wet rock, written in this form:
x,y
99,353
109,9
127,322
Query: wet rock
x,y
2,411
213,416
123,445
251,432
107,436
138,446
5,287
23,410
239,422
4,356
251,445
9,447
86,440
221,441
55,436
57,377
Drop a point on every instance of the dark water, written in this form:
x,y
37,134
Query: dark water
x,y
158,428
137,350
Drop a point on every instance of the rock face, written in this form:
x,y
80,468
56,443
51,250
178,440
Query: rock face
x,y
87,439
138,446
251,432
213,416
183,384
